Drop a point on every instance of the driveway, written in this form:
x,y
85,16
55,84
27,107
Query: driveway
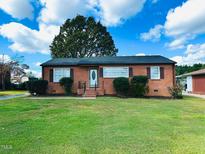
x,y
13,96
194,95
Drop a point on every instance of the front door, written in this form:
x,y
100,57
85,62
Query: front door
x,y
93,75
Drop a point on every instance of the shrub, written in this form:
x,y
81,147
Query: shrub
x,y
138,86
22,86
176,91
121,86
66,83
7,83
37,87
12,86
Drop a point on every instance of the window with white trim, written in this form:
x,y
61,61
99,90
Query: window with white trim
x,y
114,72
155,72
59,73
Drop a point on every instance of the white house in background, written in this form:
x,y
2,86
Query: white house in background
x,y
24,79
194,81
19,79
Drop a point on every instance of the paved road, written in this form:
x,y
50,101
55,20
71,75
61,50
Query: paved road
x,y
12,96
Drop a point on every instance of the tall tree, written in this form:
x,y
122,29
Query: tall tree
x,y
82,37
9,68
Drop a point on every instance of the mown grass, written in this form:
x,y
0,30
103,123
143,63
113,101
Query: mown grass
x,y
105,125
12,92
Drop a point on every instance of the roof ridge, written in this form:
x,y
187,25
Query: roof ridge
x,y
112,60
113,56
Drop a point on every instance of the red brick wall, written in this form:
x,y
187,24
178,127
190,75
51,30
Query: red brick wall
x,y
156,87
198,83
80,74
160,87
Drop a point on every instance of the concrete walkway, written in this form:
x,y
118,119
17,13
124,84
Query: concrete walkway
x,y
59,97
194,95
13,96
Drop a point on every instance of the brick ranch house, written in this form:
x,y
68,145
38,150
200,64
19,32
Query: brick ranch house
x,y
94,76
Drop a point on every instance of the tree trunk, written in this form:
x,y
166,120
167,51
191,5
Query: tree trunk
x,y
3,82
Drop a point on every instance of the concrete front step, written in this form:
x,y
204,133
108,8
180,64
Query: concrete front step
x,y
90,93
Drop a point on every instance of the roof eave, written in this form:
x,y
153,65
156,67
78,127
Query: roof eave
x,y
60,65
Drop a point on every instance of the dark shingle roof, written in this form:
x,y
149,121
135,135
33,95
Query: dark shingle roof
x,y
129,60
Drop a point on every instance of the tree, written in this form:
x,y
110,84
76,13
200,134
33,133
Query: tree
x,y
82,37
11,67
186,68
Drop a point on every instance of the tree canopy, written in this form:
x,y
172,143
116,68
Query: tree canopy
x,y
186,68
82,37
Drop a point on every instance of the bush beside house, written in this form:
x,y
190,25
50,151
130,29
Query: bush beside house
x,y
37,87
121,86
67,83
176,91
138,86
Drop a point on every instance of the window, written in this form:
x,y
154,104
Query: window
x,y
114,72
155,72
60,73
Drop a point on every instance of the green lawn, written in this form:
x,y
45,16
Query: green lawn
x,y
11,92
105,125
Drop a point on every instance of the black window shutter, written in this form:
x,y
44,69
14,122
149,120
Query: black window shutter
x,y
161,72
130,72
51,75
72,73
101,72
148,72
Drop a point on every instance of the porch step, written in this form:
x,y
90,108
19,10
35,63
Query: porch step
x,y
90,93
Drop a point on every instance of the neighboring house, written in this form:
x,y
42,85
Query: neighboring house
x,y
94,76
24,79
194,81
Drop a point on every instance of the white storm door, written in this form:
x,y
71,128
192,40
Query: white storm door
x,y
93,77
189,83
